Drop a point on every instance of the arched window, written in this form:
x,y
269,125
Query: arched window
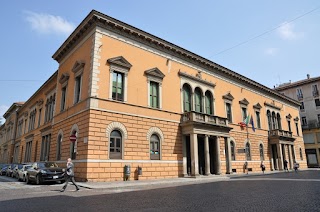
x,y
261,152
154,147
73,149
233,153
279,121
115,151
59,141
269,120
301,156
209,103
198,100
186,98
248,152
274,121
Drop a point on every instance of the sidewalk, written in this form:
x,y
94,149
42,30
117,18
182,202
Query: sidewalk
x,y
170,182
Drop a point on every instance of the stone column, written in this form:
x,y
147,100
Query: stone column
x,y
228,155
207,155
218,160
290,156
194,155
280,157
184,155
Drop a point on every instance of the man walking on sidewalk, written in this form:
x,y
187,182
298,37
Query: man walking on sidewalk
x,y
69,175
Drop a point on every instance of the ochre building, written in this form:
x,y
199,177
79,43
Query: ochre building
x,y
133,99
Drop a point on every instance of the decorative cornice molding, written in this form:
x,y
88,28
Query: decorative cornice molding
x,y
40,102
64,78
78,65
244,102
296,119
155,72
257,106
289,116
272,105
180,73
228,96
119,61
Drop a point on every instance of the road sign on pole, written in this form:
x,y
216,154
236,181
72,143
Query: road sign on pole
x,y
73,138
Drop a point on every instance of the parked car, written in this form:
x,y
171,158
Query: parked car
x,y
15,170
4,170
10,169
45,172
22,172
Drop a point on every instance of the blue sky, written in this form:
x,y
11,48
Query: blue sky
x,y
270,42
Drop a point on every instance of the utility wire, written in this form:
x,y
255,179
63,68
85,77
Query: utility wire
x,y
266,32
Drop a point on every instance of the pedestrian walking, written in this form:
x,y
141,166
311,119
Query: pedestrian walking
x,y
285,162
263,167
69,176
296,166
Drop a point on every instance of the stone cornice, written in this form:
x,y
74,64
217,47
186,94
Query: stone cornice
x,y
196,78
272,106
97,19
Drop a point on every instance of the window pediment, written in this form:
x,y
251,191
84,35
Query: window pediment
x,y
120,61
289,116
296,119
79,64
228,96
154,72
257,106
244,102
64,78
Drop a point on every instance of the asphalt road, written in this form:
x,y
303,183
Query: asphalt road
x,y
275,192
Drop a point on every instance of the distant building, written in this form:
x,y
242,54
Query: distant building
x,y
131,98
307,93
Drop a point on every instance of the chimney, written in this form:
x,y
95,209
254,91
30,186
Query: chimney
x,y
308,76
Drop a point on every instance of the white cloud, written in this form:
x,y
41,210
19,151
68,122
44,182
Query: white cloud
x,y
286,31
3,109
271,51
49,24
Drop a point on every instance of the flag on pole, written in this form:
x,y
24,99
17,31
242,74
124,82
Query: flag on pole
x,y
252,124
246,121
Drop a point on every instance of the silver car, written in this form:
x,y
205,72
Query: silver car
x,y
22,172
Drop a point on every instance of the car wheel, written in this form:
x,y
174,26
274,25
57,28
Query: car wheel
x,y
38,181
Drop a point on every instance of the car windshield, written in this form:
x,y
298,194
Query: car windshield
x,y
48,165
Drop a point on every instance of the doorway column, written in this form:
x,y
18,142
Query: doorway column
x,y
290,156
184,155
206,155
280,156
218,160
194,154
228,155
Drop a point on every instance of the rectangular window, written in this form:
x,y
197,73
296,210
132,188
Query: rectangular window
x,y
117,86
27,157
258,119
154,94
297,128
63,98
45,147
229,112
315,90
77,89
25,126
244,113
317,102
39,119
319,120
289,126
304,121
299,93
302,106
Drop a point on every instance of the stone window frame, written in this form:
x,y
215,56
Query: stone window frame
x,y
121,65
74,145
261,145
77,70
234,150
228,98
257,108
296,122
124,136
59,145
288,118
248,157
64,79
244,105
300,153
156,76
155,131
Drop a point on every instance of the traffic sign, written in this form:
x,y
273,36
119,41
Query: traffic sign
x,y
73,138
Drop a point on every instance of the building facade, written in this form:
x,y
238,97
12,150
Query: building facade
x,y
307,93
133,99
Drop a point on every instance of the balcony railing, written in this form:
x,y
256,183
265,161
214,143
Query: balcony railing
x,y
283,134
204,118
312,125
315,93
300,96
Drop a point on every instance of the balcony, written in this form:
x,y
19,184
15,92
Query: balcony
x,y
277,134
195,122
315,93
299,96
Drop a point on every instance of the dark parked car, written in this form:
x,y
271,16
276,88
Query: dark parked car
x,y
45,172
10,169
3,170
